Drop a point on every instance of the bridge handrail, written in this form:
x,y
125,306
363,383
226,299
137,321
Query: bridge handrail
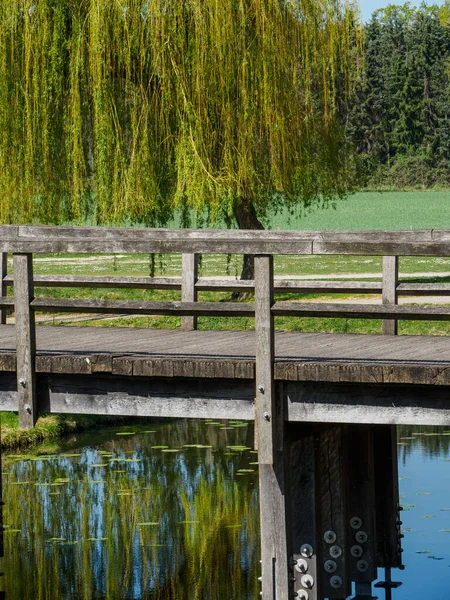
x,y
52,239
24,241
216,284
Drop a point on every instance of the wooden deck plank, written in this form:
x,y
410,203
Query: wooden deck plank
x,y
234,344
310,356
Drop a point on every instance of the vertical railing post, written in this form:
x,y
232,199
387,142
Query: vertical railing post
x,y
269,441
25,339
390,296
189,276
3,273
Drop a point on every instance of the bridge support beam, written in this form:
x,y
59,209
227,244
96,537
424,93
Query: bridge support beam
x,y
269,428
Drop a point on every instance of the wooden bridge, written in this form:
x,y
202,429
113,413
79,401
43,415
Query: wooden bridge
x,y
315,397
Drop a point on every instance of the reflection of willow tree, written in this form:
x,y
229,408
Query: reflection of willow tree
x,y
205,541
431,441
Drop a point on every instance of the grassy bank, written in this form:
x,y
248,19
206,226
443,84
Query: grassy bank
x,y
47,428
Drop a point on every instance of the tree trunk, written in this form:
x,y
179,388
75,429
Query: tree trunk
x,y
247,218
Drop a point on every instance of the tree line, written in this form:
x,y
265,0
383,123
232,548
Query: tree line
x,y
398,118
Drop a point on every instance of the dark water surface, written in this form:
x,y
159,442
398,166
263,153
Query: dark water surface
x,y
170,512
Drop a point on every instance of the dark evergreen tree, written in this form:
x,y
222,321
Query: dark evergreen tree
x,y
399,116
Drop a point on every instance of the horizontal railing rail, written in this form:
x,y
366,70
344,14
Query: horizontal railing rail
x,y
25,241
49,239
216,284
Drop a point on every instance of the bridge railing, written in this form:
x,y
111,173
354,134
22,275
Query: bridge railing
x,y
25,241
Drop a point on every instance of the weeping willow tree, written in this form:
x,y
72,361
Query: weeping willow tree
x,y
121,111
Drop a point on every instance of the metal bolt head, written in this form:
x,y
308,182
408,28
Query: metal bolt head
x,y
330,566
356,551
306,550
361,537
301,565
27,408
335,551
307,581
329,537
302,595
261,389
266,416
355,523
22,383
336,582
362,566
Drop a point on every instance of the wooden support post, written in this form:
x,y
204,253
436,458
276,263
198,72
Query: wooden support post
x,y
25,339
265,354
389,296
3,273
269,425
189,276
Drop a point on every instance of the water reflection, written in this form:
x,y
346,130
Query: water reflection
x,y
170,511
145,514
2,549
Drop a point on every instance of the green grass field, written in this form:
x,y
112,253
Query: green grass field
x,y
369,210
375,210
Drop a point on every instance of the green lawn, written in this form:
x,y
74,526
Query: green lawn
x,y
376,210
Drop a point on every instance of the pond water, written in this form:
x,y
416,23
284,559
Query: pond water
x,y
170,512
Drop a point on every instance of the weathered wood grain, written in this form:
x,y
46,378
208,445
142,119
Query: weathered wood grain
x,y
367,404
423,289
269,428
91,305
108,395
389,296
103,281
7,361
361,311
345,358
25,340
265,420
382,248
9,398
3,290
189,267
41,239
7,302
231,285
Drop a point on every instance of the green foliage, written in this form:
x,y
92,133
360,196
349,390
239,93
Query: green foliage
x,y
118,112
399,116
